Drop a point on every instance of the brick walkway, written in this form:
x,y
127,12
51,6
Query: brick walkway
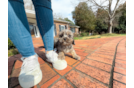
x,y
102,65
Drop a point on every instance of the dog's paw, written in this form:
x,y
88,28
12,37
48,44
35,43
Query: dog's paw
x,y
77,57
61,57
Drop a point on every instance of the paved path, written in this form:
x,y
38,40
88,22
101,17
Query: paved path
x,y
102,65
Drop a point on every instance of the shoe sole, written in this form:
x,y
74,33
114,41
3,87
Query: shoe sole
x,y
38,79
34,82
60,64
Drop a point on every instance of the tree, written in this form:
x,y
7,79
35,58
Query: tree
x,y
84,17
101,21
122,19
100,26
66,19
107,6
119,23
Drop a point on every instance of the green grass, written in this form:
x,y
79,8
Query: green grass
x,y
12,52
99,36
77,38
113,34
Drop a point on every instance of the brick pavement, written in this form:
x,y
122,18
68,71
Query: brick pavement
x,y
102,65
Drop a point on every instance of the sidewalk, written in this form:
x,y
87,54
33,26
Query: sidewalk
x,y
102,65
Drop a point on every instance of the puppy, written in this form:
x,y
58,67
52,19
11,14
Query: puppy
x,y
64,44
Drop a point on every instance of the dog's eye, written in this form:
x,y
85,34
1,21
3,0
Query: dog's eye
x,y
61,35
69,36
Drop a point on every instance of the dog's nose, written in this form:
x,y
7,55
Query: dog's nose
x,y
65,39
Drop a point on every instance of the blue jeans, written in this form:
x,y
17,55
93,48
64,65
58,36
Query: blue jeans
x,y
18,27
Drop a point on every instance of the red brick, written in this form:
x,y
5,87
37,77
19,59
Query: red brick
x,y
120,70
120,65
9,70
98,64
121,58
76,47
83,46
120,61
105,60
17,64
119,77
63,72
34,86
37,50
95,73
18,56
18,86
47,73
109,51
81,53
8,76
80,80
108,48
48,83
43,50
11,59
21,87
70,61
37,45
76,63
10,63
102,55
118,85
62,84
105,53
88,51
93,48
82,58
79,50
120,54
13,80
124,56
41,61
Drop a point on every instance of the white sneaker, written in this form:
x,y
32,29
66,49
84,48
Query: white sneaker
x,y
31,73
57,64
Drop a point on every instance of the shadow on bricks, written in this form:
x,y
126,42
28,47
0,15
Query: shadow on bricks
x,y
14,63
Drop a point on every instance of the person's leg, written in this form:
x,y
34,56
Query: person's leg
x,y
18,28
45,22
19,33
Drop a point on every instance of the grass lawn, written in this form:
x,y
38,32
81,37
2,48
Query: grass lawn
x,y
99,36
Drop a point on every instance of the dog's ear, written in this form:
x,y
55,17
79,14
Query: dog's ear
x,y
73,42
56,42
61,33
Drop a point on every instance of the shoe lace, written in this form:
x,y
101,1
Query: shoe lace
x,y
54,54
28,64
51,56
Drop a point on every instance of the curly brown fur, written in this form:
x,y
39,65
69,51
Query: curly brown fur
x,y
63,44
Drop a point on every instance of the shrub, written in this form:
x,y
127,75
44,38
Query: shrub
x,y
122,31
12,52
94,33
76,35
84,34
77,38
102,32
10,44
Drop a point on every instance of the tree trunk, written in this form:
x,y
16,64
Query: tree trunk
x,y
110,24
113,29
